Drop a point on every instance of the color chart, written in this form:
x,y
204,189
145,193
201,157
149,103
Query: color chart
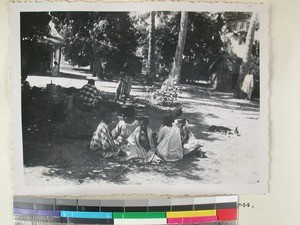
x,y
204,211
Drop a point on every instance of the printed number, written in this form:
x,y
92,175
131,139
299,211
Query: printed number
x,y
59,201
245,205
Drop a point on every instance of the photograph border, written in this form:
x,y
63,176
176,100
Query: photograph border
x,y
121,190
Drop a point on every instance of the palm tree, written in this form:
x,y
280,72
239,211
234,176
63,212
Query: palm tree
x,y
247,57
176,68
150,73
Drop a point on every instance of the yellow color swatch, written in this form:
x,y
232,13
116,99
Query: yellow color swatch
x,y
196,213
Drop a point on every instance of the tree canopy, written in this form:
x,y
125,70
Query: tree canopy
x,y
109,42
99,39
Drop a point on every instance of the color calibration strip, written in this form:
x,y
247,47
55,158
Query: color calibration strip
x,y
204,211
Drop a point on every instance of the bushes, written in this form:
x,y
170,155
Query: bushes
x,y
163,97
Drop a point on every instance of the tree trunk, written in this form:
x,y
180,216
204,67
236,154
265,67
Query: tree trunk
x,y
250,37
176,68
150,73
247,57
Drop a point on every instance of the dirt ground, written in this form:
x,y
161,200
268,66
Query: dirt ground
x,y
52,159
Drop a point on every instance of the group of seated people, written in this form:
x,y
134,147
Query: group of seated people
x,y
133,139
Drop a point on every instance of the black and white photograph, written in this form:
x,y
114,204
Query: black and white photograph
x,y
140,98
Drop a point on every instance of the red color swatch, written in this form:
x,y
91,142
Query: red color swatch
x,y
227,214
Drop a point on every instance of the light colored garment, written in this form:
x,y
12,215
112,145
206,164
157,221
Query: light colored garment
x,y
54,71
162,133
191,145
135,148
123,130
171,148
102,142
124,85
248,84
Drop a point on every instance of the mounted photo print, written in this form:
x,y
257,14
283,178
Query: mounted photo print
x,y
148,98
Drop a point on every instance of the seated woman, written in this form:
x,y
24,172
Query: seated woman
x,y
140,142
179,142
165,129
125,127
188,140
102,142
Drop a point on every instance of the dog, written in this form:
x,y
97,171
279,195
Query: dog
x,y
223,130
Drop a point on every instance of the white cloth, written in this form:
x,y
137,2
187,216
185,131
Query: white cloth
x,y
135,149
170,148
191,144
123,130
248,84
162,133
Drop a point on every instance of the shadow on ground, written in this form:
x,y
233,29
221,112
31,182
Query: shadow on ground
x,y
45,145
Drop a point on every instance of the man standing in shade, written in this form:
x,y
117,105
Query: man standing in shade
x,y
54,70
90,95
248,85
124,87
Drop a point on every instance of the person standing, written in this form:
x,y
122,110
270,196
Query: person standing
x,y
54,70
124,86
248,85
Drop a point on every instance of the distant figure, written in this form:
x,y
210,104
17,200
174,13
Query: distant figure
x,y
248,85
124,86
90,95
54,70
25,86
